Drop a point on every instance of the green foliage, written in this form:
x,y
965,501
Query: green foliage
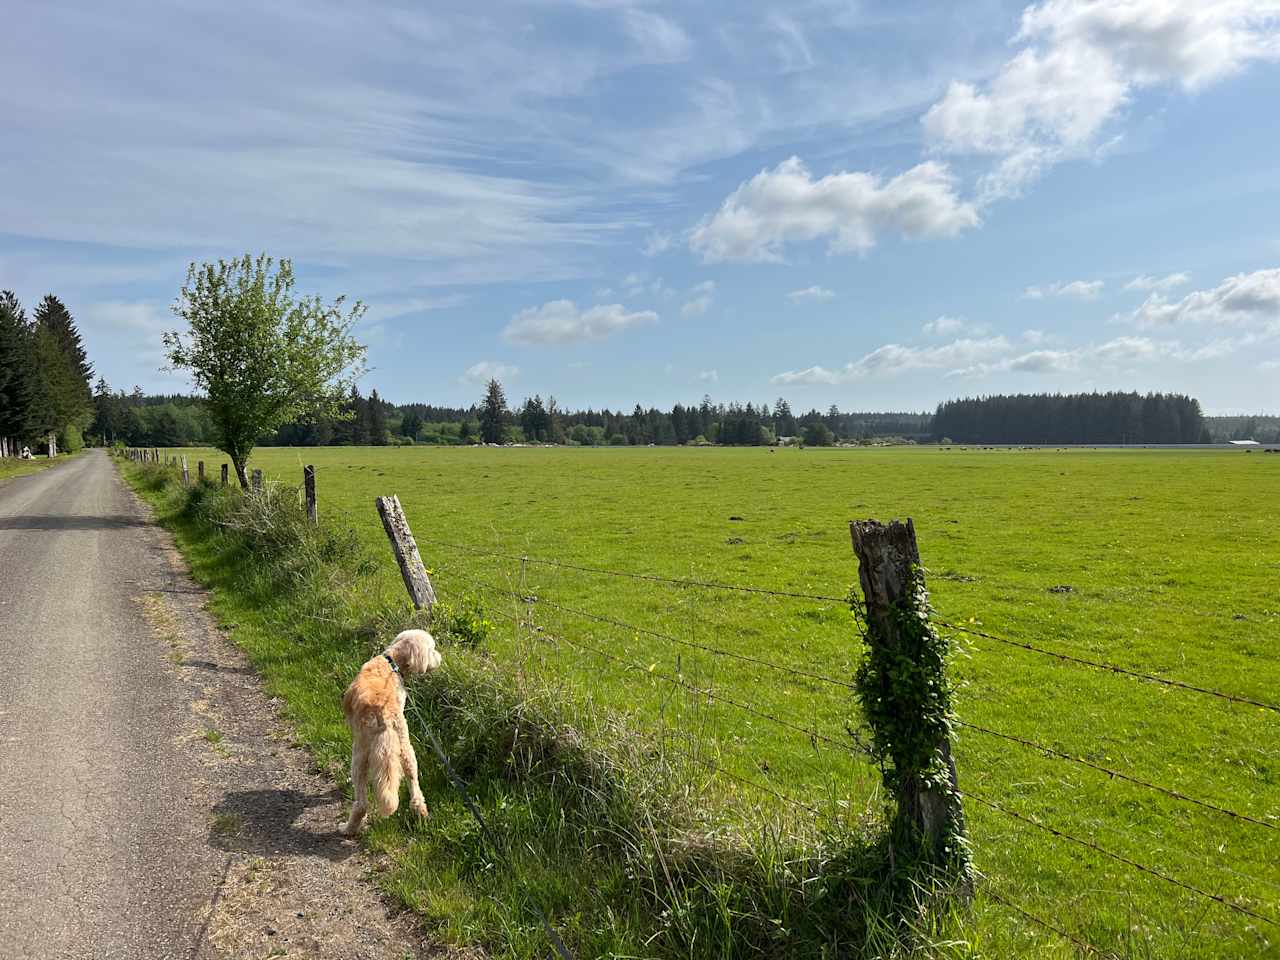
x,y
262,356
463,622
819,435
905,694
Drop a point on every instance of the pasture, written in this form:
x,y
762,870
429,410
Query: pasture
x,y
1159,562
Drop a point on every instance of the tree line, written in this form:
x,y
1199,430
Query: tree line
x,y
44,375
1072,418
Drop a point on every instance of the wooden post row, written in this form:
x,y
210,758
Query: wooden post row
x,y
405,549
890,571
309,487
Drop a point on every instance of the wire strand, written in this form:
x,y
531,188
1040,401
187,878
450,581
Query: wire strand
x,y
1100,665
1082,944
631,575
1120,858
1115,773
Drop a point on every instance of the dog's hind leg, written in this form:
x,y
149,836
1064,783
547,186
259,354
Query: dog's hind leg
x,y
359,787
409,761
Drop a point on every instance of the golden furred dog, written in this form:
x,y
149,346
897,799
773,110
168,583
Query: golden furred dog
x,y
380,747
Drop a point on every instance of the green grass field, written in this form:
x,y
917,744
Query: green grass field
x,y
1163,562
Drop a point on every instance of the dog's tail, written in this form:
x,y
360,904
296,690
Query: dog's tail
x,y
384,765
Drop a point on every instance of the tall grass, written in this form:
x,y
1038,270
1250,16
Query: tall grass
x,y
619,832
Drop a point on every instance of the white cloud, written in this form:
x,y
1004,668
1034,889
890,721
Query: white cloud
x,y
487,370
700,300
893,359
1244,300
787,204
709,376
815,294
1269,365
560,321
1081,289
945,326
1079,65
1121,353
1158,283
657,243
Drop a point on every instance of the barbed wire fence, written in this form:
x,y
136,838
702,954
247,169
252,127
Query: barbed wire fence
x,y
529,600
850,744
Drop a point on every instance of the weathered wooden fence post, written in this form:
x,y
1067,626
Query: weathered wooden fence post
x,y
405,548
906,697
200,470
224,474
256,477
186,474
309,487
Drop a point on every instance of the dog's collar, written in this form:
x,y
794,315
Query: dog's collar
x,y
394,667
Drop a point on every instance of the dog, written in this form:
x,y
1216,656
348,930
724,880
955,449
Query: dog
x,y
380,747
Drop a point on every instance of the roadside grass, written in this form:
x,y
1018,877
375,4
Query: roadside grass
x,y
1171,561
11,467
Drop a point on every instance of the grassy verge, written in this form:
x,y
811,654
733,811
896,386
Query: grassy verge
x,y
622,835
11,467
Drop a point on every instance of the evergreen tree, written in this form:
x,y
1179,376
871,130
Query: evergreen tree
x,y
494,415
64,367
377,421
17,370
411,425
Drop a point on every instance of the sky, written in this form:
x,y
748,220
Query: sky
x,y
876,205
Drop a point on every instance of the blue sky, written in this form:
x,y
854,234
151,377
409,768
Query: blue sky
x,y
874,205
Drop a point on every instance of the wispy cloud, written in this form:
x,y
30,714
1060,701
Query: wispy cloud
x,y
946,326
814,294
893,359
1161,284
487,370
1080,289
700,299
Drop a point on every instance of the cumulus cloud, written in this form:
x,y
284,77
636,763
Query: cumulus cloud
x,y
813,294
787,204
945,326
560,321
1080,63
1244,300
1158,283
1081,289
893,359
487,370
700,299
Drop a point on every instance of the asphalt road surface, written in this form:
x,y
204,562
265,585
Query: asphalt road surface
x,y
124,832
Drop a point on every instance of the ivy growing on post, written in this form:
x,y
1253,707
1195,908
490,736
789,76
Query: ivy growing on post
x,y
905,695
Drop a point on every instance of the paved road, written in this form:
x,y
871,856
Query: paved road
x,y
103,851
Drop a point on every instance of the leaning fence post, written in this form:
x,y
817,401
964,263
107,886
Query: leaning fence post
x,y
186,474
257,481
224,474
906,697
309,486
406,550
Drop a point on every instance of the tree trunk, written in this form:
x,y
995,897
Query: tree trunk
x,y
241,473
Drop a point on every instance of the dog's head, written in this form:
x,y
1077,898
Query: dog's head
x,y
414,651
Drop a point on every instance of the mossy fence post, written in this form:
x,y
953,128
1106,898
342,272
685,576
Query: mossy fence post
x,y
309,488
906,698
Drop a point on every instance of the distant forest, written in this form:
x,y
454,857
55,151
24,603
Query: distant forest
x,y
1073,418
138,419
